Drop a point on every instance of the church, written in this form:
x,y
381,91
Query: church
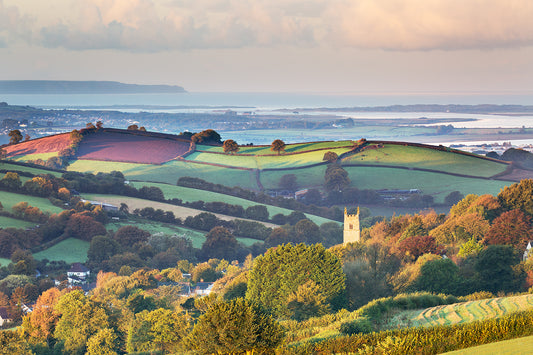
x,y
352,230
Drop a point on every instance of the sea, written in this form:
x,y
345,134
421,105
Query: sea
x,y
270,103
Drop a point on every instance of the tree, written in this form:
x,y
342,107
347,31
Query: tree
x,y
102,248
277,146
133,127
494,266
306,231
257,212
288,182
453,197
15,136
104,342
41,322
220,243
510,228
336,178
282,270
84,227
230,146
128,236
3,153
207,136
11,181
99,124
518,196
330,157
12,343
237,327
81,318
438,276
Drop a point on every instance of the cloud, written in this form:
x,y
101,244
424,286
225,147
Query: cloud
x,y
13,26
152,26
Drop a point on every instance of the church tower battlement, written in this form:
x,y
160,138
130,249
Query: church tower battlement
x,y
352,231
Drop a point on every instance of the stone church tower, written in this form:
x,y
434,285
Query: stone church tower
x,y
352,231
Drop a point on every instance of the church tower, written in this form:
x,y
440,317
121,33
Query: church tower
x,y
352,231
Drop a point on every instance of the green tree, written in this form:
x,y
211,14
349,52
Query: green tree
x,y
438,276
235,327
230,146
307,301
11,181
495,269
102,248
12,343
282,270
158,330
128,236
288,182
15,136
336,178
277,146
220,243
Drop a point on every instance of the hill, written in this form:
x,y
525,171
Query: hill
x,y
81,87
376,165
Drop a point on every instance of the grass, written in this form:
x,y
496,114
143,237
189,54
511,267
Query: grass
x,y
289,148
43,156
435,184
197,237
4,262
465,312
19,168
134,203
425,158
7,222
305,178
518,346
265,162
70,250
9,199
170,172
190,194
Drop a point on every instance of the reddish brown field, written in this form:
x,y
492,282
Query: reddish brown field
x,y
129,148
41,145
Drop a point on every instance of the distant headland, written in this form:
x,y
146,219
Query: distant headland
x,y
82,87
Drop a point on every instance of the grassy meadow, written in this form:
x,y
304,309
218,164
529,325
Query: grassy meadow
x,y
518,346
7,222
187,194
9,199
70,250
423,158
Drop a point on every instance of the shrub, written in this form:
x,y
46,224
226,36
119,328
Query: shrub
x,y
359,326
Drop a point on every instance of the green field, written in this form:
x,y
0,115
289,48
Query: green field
x,y
289,148
35,171
424,158
312,177
4,262
518,346
187,194
463,312
43,156
197,237
435,184
9,199
265,162
170,172
7,222
69,250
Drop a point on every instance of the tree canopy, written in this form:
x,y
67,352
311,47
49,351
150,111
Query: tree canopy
x,y
281,271
277,146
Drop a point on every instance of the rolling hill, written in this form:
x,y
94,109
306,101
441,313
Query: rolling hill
x,y
164,158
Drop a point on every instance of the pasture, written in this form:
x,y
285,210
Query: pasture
x,y
9,199
464,312
70,250
424,158
518,346
20,168
7,222
187,194
430,183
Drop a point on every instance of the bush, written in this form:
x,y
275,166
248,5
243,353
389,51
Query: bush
x,y
359,326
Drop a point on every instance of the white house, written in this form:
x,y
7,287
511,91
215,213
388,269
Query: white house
x,y
78,274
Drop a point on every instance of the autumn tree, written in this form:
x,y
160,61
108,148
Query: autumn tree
x,y
128,236
510,228
518,196
330,157
41,322
133,127
277,146
15,136
208,136
237,327
230,146
83,227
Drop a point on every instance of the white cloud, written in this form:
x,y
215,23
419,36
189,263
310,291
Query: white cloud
x,y
152,26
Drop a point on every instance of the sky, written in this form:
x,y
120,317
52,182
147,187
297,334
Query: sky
x,y
326,46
